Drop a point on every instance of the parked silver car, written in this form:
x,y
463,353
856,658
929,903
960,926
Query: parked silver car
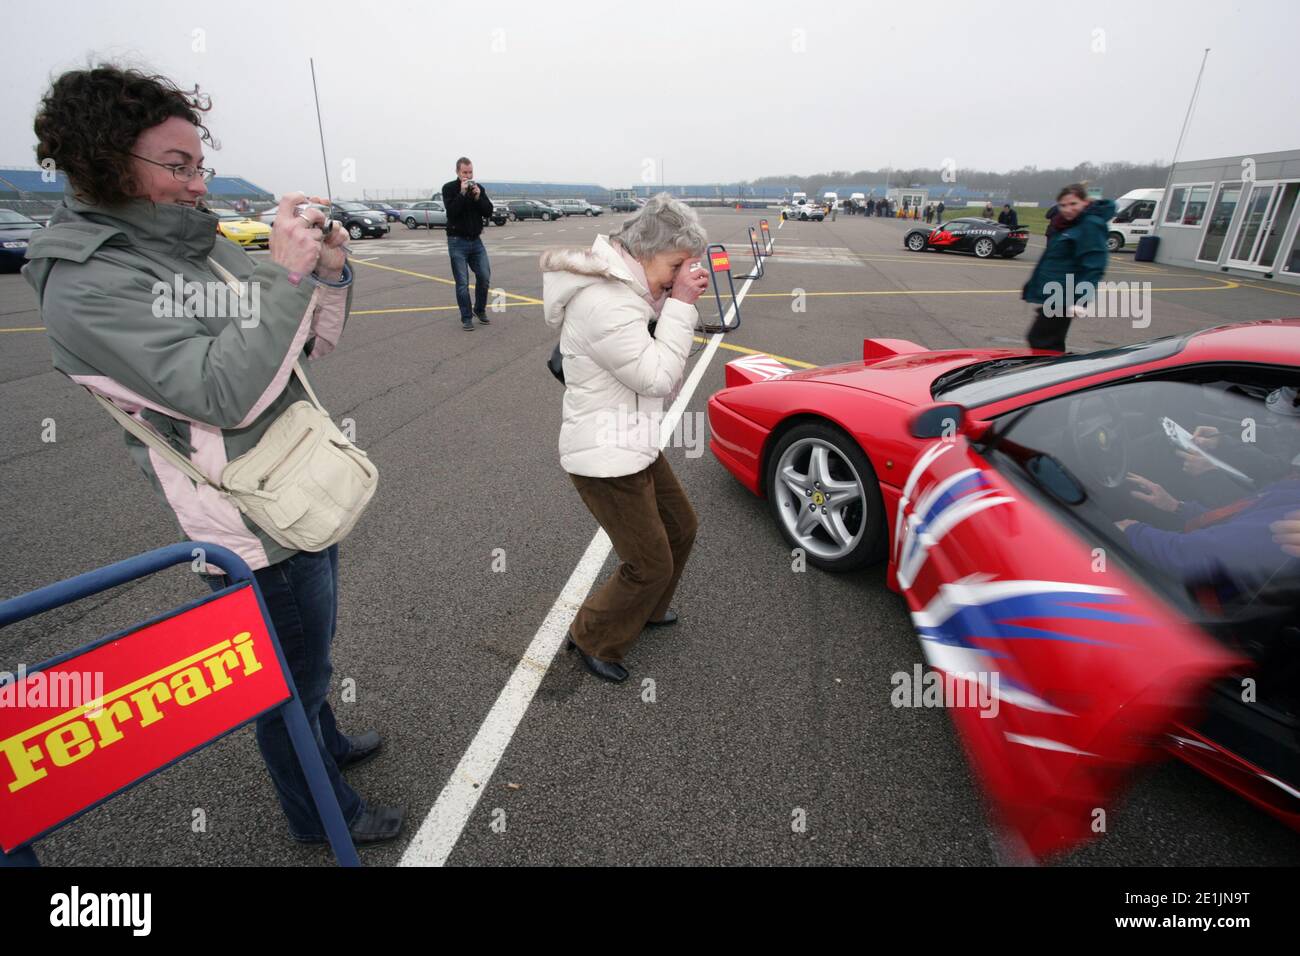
x,y
577,207
428,213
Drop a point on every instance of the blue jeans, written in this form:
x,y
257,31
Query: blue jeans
x,y
467,254
302,596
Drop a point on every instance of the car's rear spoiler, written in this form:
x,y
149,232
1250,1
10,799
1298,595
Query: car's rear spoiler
x,y
758,367
874,349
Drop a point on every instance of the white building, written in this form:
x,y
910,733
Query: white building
x,y
1235,215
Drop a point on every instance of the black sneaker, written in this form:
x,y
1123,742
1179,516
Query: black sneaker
x,y
468,326
483,320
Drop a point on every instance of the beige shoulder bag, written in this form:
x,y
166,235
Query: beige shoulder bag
x,y
303,483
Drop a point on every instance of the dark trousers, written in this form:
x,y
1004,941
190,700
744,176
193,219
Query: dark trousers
x,y
467,254
1046,332
652,525
302,596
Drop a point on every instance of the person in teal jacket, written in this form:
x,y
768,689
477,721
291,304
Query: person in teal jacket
x,y
1064,282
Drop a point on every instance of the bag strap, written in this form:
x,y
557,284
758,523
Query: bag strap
x,y
237,286
150,436
153,440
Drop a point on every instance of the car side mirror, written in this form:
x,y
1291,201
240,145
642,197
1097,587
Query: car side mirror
x,y
938,421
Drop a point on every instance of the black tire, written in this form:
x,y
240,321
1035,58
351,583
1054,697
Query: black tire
x,y
590,214
355,231
546,217
1114,242
984,247
411,223
872,546
915,242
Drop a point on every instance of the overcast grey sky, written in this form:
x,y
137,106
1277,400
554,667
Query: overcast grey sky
x,y
714,90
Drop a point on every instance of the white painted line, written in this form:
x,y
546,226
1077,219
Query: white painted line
x,y
441,829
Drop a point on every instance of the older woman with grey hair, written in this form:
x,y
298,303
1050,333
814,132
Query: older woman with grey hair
x,y
618,378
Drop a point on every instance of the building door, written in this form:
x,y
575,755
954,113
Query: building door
x,y
1221,213
1269,207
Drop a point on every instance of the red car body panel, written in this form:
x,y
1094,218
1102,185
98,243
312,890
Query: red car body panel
x,y
1098,670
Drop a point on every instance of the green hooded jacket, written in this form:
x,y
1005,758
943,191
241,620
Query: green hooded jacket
x,y
135,312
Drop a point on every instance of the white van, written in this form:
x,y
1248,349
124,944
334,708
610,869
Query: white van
x,y
1135,217
831,198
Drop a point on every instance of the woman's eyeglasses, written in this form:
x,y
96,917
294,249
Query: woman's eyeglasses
x,y
183,172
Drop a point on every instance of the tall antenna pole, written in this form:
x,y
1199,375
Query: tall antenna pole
x,y
1196,91
319,126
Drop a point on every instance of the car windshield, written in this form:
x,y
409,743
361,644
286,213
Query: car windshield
x,y
10,218
984,383
227,214
353,206
1186,476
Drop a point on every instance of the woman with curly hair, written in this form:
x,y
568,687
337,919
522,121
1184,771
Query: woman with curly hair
x,y
129,234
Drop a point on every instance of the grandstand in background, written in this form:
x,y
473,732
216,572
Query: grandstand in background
x,y
35,193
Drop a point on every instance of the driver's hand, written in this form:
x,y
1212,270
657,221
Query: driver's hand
x,y
1195,464
1287,533
1123,523
1206,436
1148,491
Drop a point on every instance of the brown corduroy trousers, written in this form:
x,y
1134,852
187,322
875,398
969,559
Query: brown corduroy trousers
x,y
652,526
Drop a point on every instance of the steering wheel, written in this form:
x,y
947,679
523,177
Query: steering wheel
x,y
1099,436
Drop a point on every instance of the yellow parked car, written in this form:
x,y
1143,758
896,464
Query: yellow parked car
x,y
239,228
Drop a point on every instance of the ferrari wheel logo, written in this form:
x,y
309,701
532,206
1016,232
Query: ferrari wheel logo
x,y
818,498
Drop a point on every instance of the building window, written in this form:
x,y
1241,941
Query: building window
x,y
1187,204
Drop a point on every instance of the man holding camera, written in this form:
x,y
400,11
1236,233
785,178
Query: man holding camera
x,y
467,206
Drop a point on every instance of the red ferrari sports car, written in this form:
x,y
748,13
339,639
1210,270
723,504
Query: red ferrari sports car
x,y
1088,544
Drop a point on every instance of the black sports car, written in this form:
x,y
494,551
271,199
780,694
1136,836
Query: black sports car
x,y
982,237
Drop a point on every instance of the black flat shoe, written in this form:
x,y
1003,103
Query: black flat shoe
x,y
669,618
483,320
375,825
605,670
364,748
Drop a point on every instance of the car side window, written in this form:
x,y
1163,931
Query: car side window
x,y
1184,474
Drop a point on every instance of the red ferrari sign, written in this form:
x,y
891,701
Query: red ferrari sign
x,y
720,261
167,689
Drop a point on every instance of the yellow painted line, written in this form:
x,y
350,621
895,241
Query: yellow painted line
x,y
34,328
742,349
1226,284
437,308
420,275
1266,288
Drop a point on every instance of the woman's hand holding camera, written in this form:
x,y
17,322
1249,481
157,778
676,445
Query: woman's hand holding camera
x,y
691,281
298,241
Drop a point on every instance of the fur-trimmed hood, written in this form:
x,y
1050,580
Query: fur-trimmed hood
x,y
566,272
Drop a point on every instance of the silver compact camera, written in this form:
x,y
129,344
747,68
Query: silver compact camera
x,y
329,223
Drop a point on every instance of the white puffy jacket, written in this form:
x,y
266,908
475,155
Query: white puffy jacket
x,y
616,374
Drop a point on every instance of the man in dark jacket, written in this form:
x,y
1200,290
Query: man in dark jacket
x,y
467,205
938,212
1008,216
1064,283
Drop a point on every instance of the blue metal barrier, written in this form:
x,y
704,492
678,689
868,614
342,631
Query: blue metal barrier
x,y
101,579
